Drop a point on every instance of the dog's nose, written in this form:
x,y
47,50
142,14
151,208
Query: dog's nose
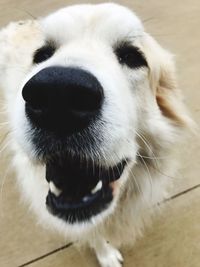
x,y
63,100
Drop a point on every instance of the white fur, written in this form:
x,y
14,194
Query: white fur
x,y
134,123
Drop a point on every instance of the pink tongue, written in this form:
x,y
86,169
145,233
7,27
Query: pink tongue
x,y
113,186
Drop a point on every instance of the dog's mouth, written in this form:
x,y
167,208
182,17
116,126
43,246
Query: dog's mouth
x,y
80,190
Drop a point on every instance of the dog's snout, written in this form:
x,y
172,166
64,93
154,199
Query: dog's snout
x,y
63,99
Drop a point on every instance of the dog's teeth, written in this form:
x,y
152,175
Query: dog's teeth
x,y
97,187
85,199
54,189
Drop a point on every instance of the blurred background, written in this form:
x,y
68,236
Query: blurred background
x,y
174,238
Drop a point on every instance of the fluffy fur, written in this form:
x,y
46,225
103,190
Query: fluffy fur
x,y
144,116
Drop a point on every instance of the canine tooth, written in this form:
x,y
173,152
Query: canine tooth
x,y
85,199
54,189
97,187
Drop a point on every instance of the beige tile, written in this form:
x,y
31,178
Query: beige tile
x,y
71,257
27,9
173,240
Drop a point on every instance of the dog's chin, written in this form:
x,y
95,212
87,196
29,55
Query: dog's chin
x,y
79,190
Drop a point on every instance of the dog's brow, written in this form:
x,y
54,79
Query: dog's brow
x,y
51,42
127,39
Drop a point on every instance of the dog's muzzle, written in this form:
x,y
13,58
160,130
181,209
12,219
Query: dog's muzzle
x,y
61,105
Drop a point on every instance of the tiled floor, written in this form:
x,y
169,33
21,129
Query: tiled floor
x,y
174,238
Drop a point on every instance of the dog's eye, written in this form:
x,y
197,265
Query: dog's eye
x,y
131,56
43,53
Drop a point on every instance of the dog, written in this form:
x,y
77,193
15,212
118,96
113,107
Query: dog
x,y
94,114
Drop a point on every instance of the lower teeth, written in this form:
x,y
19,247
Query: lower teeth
x,y
97,187
54,189
57,192
85,199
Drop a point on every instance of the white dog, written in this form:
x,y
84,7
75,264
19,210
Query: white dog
x,y
94,113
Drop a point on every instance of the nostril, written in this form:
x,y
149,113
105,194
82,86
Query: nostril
x,y
35,95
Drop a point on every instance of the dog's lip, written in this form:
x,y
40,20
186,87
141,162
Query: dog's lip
x,y
81,204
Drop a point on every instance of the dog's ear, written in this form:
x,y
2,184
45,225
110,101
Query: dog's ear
x,y
163,83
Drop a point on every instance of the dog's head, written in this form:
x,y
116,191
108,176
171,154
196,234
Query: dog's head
x,y
85,88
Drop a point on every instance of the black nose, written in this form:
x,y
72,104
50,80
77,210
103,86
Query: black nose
x,y
63,100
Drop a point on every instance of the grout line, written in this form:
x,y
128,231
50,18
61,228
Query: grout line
x,y
182,193
68,245
45,255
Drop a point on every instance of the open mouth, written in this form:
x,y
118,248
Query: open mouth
x,y
79,190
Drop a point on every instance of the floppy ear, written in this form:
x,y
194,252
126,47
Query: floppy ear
x,y
163,83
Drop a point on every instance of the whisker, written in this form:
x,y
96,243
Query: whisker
x,y
153,158
164,174
3,148
148,172
147,144
156,168
136,183
2,187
